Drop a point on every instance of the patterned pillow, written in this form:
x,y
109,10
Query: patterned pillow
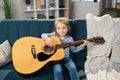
x,y
5,53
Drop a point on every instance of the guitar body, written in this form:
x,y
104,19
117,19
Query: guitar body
x,y
27,62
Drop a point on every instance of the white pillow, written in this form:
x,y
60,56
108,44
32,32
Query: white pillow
x,y
5,53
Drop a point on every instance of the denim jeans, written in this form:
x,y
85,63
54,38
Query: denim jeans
x,y
71,67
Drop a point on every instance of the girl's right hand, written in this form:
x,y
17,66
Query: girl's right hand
x,y
49,42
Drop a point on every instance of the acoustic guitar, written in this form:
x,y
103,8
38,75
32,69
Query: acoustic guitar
x,y
30,54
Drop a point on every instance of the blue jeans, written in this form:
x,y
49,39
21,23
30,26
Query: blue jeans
x,y
71,67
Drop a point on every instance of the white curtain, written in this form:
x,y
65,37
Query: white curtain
x,y
104,4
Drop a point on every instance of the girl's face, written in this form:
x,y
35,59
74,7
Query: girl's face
x,y
61,29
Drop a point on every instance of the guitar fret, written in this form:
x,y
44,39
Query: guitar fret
x,y
68,44
79,42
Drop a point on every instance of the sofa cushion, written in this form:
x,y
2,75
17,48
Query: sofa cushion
x,y
5,53
79,32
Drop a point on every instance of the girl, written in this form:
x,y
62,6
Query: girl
x,y
61,30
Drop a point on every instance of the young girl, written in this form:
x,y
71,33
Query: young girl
x,y
61,30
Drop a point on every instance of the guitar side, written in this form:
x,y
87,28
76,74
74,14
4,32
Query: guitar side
x,y
23,59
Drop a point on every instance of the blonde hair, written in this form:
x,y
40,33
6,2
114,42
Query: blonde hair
x,y
64,21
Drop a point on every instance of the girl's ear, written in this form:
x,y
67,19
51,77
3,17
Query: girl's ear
x,y
69,30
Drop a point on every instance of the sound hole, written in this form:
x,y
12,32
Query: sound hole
x,y
48,50
47,53
42,56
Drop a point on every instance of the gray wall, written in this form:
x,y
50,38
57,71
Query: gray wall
x,y
1,11
16,9
80,9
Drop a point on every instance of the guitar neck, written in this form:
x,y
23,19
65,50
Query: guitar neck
x,y
79,42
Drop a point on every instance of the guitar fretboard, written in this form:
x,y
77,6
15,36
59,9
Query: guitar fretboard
x,y
71,43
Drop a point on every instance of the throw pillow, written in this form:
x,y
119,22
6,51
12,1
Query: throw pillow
x,y
5,53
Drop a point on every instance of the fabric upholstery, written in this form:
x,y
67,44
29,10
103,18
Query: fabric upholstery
x,y
15,29
5,53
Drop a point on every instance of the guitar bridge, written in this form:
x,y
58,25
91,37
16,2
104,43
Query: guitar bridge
x,y
33,51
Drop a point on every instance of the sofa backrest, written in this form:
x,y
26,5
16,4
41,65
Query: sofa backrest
x,y
14,29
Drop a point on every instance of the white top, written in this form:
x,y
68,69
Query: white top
x,y
98,55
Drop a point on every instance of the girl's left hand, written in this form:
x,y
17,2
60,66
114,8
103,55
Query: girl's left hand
x,y
85,43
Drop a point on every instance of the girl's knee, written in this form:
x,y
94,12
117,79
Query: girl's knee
x,y
57,68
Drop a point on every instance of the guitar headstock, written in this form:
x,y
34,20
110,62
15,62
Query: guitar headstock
x,y
98,40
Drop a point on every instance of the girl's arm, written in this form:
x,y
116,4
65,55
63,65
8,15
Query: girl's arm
x,y
48,41
46,35
75,49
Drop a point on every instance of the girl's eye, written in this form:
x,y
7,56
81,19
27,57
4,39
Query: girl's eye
x,y
64,27
61,27
58,28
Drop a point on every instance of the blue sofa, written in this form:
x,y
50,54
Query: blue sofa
x,y
15,29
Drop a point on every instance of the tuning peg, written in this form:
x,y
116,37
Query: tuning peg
x,y
98,40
